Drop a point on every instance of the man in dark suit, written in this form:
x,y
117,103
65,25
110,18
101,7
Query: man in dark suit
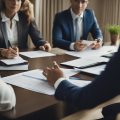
x,y
103,87
74,25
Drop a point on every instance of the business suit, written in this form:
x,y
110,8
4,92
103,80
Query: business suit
x,y
63,32
24,29
103,88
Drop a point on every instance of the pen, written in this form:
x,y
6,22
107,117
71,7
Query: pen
x,y
10,46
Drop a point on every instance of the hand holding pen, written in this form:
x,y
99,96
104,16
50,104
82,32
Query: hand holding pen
x,y
10,52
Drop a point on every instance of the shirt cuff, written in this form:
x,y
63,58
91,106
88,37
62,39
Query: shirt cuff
x,y
72,46
58,82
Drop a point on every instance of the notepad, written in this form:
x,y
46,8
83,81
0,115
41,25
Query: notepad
x,y
15,61
36,54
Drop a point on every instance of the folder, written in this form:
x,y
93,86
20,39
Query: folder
x,y
86,62
17,63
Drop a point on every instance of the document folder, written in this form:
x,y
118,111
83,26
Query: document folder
x,y
85,62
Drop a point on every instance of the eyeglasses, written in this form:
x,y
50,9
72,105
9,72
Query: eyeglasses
x,y
81,1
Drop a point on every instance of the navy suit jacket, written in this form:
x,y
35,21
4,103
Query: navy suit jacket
x,y
24,29
63,32
103,87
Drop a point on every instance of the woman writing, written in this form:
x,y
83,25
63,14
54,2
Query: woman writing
x,y
16,23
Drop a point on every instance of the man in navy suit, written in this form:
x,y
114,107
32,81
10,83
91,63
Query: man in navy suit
x,y
103,88
74,25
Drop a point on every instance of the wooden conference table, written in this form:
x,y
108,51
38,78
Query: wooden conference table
x,y
36,106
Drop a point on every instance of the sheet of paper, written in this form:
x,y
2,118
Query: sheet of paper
x,y
94,70
30,83
93,53
37,73
84,62
36,85
16,60
35,54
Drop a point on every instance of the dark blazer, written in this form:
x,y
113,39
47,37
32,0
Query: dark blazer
x,y
103,87
63,33
110,112
24,29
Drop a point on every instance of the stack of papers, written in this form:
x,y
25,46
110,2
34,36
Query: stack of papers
x,y
16,63
93,53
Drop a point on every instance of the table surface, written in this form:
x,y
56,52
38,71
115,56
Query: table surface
x,y
35,106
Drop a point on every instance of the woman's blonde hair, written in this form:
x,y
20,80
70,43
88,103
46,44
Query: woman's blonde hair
x,y
26,8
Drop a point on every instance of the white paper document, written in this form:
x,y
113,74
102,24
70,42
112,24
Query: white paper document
x,y
31,80
37,73
16,60
15,67
36,54
85,62
93,53
94,70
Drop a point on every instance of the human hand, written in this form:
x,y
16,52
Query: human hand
x,y
45,47
53,74
79,46
96,45
10,52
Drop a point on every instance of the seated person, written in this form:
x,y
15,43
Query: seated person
x,y
73,25
7,96
16,24
104,87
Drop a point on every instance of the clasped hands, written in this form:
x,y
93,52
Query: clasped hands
x,y
79,46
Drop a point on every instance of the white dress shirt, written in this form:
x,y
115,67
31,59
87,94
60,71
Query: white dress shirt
x,y
7,96
11,28
80,23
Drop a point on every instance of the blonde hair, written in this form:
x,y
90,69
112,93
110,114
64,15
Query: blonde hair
x,y
26,8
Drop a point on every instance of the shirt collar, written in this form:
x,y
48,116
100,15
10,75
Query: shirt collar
x,y
4,18
74,16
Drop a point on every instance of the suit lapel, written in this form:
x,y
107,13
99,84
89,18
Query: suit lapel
x,y
19,29
4,32
19,33
70,24
84,24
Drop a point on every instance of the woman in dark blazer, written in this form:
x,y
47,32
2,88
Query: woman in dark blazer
x,y
16,23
